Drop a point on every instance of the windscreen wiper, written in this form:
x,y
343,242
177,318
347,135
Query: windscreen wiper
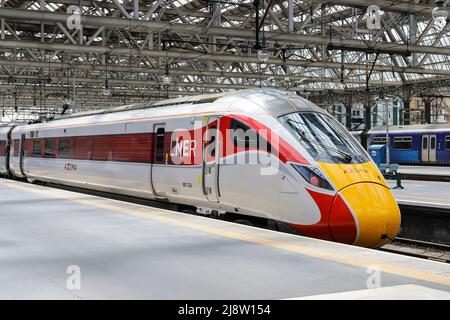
x,y
345,156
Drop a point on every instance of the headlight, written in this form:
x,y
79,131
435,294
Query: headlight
x,y
313,176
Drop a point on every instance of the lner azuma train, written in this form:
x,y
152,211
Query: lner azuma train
x,y
310,175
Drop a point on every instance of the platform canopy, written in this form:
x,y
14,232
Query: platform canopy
x,y
82,54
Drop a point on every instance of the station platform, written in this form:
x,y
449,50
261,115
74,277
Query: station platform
x,y
433,194
425,209
425,173
57,244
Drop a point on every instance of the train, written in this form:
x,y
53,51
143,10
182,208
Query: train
x,y
424,144
253,155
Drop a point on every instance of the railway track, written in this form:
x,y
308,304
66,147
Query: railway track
x,y
419,249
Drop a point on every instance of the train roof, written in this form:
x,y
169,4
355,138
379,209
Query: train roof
x,y
272,101
187,100
4,129
252,101
413,128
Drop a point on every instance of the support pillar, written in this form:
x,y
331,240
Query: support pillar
x,y
348,111
427,103
136,9
290,16
2,22
405,116
413,36
367,113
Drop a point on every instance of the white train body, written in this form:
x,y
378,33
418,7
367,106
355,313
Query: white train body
x,y
176,154
4,146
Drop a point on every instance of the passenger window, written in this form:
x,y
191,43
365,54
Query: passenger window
x,y
403,143
433,143
447,142
37,147
379,140
424,143
16,148
211,144
50,148
64,148
82,148
159,155
102,148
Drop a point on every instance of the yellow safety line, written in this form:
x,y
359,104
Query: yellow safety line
x,y
166,217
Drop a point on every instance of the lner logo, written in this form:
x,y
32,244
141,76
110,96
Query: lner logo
x,y
184,148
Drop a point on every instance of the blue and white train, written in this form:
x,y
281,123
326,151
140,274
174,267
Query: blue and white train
x,y
413,144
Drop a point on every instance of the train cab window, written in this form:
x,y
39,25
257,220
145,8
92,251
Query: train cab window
x,y
159,152
50,148
64,148
324,138
403,143
447,142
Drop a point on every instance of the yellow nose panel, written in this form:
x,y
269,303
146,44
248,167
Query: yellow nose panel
x,y
343,175
376,211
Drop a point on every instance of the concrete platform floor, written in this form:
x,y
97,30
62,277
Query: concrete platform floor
x,y
425,170
423,193
57,244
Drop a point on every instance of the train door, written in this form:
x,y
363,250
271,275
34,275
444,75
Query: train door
x,y
159,133
432,149
22,153
211,157
424,149
428,150
8,152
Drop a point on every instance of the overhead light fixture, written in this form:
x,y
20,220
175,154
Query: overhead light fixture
x,y
440,12
49,79
166,79
106,91
68,101
263,55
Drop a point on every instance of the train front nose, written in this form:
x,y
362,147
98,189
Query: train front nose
x,y
365,214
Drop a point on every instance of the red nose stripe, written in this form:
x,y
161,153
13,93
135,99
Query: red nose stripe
x,y
342,223
319,230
